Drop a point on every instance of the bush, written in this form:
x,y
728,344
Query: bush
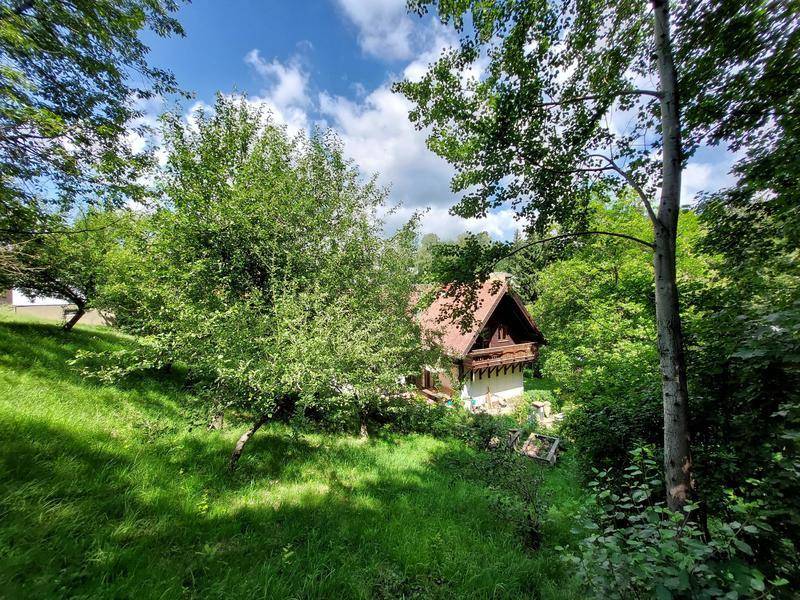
x,y
635,547
604,430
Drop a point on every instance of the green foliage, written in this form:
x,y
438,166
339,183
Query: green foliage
x,y
745,345
74,75
528,130
265,271
506,144
536,390
740,305
423,262
604,429
741,65
527,259
107,491
635,547
598,311
531,129
70,264
517,493
596,307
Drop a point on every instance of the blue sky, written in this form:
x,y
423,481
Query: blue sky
x,y
331,63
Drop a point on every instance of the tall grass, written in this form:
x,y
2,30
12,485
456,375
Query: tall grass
x,y
107,492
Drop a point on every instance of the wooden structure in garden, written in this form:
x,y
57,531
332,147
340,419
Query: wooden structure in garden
x,y
537,446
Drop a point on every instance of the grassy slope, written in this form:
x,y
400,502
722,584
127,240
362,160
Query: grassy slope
x,y
105,492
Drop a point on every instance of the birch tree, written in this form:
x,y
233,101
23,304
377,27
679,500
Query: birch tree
x,y
543,101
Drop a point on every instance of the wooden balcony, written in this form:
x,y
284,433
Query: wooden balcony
x,y
500,357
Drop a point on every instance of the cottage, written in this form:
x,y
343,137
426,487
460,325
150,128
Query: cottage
x,y
488,359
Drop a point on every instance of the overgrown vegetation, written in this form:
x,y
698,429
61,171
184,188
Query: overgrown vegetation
x,y
108,491
742,323
260,288
635,547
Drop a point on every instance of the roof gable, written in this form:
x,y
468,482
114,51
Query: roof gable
x,y
445,316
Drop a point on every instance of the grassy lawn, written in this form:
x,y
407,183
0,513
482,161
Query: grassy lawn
x,y
106,491
540,384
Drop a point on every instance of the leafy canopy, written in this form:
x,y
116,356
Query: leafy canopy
x,y
73,74
265,269
70,263
531,129
544,99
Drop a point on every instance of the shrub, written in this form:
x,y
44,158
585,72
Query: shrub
x,y
514,485
632,546
603,430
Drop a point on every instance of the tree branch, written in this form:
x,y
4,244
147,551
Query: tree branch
x,y
625,236
577,99
631,182
578,170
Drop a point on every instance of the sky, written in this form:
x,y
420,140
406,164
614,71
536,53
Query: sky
x,y
331,63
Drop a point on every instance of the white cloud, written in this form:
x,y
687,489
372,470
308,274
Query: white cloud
x,y
378,136
285,93
500,224
384,27
143,131
706,176
287,83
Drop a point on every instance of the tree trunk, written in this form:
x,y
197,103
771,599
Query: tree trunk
x,y
75,318
217,421
362,421
237,451
677,456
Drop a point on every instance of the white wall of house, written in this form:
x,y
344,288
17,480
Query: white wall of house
x,y
20,299
51,309
500,385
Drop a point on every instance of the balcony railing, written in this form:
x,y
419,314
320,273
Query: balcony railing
x,y
501,356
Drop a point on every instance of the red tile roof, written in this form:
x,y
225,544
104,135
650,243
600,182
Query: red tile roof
x,y
472,307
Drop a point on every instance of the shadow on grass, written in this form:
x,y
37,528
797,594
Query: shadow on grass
x,y
97,518
92,513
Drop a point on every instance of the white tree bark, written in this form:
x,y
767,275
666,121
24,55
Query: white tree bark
x,y
677,456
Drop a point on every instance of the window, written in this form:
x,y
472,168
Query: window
x,y
502,334
426,380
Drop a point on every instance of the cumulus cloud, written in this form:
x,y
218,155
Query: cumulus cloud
x,y
385,29
287,83
285,93
378,136
500,224
143,130
700,177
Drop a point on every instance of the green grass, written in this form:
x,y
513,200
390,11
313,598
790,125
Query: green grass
x,y
541,389
541,384
107,492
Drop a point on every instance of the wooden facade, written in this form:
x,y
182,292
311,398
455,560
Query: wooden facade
x,y
503,340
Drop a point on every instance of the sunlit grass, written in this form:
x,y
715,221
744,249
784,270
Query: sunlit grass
x,y
106,491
